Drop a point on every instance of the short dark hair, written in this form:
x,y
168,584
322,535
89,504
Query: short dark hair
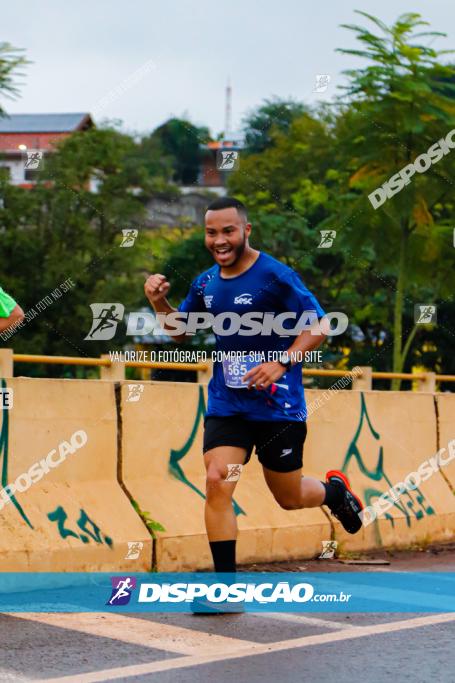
x,y
228,203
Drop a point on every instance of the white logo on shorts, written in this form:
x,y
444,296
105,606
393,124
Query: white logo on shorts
x,y
285,451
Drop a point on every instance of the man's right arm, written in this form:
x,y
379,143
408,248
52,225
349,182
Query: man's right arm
x,y
156,289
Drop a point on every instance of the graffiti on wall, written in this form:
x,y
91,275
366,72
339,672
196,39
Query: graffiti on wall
x,y
4,459
176,455
412,504
89,529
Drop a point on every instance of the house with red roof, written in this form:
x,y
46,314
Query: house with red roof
x,y
25,137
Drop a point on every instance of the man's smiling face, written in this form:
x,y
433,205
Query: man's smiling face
x,y
226,235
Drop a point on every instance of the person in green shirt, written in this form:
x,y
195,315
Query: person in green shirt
x,y
10,312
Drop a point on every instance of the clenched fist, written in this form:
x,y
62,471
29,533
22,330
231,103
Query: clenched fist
x,y
156,288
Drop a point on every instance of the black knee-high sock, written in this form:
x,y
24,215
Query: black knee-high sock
x,y
333,495
223,553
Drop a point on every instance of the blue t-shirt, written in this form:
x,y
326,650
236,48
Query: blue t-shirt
x,y
268,286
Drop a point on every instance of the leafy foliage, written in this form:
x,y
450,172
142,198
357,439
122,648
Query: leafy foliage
x,y
150,523
273,116
303,170
11,62
61,229
180,142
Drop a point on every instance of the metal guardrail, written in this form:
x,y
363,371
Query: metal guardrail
x,y
106,362
361,378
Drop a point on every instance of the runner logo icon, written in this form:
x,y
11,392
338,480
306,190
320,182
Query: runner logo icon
x,y
134,550
106,317
122,587
328,550
234,472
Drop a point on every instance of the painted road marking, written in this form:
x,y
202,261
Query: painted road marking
x,y
249,650
304,620
137,631
7,677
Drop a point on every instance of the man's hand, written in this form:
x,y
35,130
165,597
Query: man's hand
x,y
262,376
156,288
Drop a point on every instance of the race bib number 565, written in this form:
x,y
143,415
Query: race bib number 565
x,y
235,370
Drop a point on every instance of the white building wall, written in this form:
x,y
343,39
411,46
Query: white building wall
x,y
16,167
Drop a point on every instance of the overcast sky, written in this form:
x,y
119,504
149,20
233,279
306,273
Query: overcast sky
x,y
86,54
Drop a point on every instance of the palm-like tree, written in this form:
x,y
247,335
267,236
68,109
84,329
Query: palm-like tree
x,y
11,62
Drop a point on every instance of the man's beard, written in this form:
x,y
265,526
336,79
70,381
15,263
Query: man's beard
x,y
237,253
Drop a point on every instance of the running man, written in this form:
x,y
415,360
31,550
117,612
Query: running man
x,y
267,410
124,588
10,312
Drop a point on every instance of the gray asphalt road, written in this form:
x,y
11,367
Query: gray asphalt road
x,y
318,648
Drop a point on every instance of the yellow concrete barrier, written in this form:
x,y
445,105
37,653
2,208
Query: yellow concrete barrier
x,y
446,422
69,512
378,438
162,468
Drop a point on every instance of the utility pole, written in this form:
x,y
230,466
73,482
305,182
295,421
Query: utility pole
x,y
228,111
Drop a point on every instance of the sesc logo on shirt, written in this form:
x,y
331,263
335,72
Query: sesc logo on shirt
x,y
245,298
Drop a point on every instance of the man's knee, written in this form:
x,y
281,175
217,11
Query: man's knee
x,y
216,488
288,502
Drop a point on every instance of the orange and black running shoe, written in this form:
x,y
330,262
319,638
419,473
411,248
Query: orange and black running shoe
x,y
348,510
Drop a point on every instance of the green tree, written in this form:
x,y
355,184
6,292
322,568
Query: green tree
x,y
184,257
319,174
11,62
396,108
274,115
61,229
180,142
291,190
295,174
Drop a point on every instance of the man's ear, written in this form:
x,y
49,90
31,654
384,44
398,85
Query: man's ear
x,y
247,229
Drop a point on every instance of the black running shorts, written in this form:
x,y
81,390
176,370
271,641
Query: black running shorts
x,y
279,445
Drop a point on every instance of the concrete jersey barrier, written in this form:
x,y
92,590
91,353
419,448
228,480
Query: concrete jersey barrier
x,y
378,438
69,512
163,469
